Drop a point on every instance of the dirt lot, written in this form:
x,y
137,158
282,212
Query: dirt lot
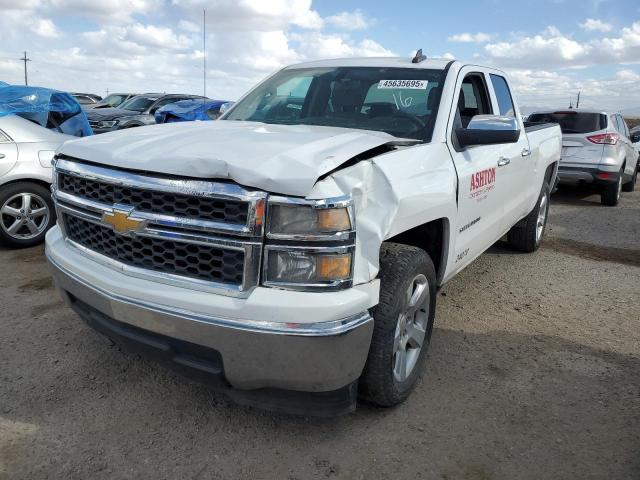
x,y
534,373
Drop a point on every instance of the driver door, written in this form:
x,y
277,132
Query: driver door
x,y
480,205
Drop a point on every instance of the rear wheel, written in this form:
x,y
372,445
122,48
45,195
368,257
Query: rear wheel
x,y
610,195
403,322
26,213
527,235
630,186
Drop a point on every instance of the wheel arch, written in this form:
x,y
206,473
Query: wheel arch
x,y
37,181
433,237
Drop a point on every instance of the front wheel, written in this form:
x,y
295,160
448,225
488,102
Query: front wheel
x,y
403,322
26,213
527,234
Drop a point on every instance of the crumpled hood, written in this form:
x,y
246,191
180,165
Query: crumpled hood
x,y
286,159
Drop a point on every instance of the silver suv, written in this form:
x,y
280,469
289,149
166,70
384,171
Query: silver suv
x,y
596,150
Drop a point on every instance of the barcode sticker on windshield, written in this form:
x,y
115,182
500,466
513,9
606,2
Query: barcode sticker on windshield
x,y
412,84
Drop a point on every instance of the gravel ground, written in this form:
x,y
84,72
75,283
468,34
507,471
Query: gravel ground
x,y
534,372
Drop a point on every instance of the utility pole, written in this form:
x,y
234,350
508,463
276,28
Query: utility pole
x,y
25,60
204,51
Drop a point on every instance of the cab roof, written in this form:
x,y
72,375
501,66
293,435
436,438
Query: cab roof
x,y
381,62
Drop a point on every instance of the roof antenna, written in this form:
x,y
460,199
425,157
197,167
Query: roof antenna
x,y
570,102
578,101
419,57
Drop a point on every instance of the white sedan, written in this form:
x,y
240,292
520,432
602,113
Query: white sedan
x,y
26,209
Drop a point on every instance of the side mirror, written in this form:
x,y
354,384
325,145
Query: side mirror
x,y
224,108
489,130
635,137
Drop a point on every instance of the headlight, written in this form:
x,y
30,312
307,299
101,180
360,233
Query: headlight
x,y
107,123
310,220
310,243
308,268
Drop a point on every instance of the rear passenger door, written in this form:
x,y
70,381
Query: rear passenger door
x,y
480,207
514,159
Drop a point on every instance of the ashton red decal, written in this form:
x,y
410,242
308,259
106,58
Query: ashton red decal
x,y
482,183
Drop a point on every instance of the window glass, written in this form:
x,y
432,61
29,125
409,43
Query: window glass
x,y
138,104
400,101
572,121
472,100
503,95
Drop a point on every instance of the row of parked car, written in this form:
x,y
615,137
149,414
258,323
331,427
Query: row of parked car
x,y
118,111
35,121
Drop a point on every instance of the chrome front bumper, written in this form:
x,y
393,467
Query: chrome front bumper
x,y
311,357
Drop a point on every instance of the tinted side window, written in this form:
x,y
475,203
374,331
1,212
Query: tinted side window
x,y
473,99
503,95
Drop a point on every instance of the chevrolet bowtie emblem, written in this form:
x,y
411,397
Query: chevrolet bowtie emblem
x,y
122,222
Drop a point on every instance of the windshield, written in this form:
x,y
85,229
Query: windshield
x,y
138,104
400,101
572,121
113,100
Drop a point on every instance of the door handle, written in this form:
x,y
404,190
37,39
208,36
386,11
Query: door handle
x,y
525,152
504,161
1,156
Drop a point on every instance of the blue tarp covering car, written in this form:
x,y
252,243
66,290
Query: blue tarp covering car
x,y
49,108
189,110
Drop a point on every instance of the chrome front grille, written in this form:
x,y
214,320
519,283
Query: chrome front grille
x,y
197,234
165,203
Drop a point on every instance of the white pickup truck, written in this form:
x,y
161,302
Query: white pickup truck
x,y
291,252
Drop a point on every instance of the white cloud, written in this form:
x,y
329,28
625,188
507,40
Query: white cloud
x,y
157,37
44,28
554,49
591,24
627,75
253,15
470,37
315,46
112,11
350,20
545,89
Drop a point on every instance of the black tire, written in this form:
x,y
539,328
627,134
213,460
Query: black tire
x,y
630,186
10,196
400,265
524,235
610,195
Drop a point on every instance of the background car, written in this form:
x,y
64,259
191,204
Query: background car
x,y
86,98
112,100
34,122
596,151
189,110
49,108
135,112
26,209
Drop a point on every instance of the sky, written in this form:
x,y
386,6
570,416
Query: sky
x,y
552,49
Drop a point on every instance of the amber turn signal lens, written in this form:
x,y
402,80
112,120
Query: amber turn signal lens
x,y
334,220
333,267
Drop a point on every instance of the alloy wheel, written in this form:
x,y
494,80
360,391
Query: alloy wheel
x,y
24,216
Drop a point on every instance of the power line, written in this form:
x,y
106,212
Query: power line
x,y
25,60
